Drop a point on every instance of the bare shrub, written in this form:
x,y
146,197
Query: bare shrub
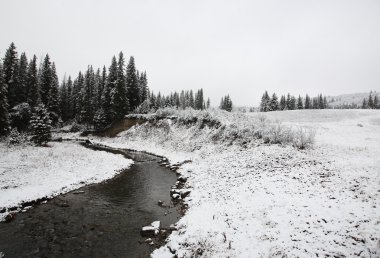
x,y
304,138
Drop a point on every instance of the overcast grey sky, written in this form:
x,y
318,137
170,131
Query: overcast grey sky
x,y
236,47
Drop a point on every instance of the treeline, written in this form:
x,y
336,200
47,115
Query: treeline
x,y
182,100
95,97
289,102
226,103
372,102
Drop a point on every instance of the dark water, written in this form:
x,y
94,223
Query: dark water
x,y
104,221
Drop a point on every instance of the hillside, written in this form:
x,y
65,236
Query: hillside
x,y
347,99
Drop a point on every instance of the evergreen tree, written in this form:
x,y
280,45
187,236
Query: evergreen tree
x,y
364,105
64,101
119,99
40,125
376,102
143,87
320,102
208,103
53,97
191,99
22,79
282,103
370,101
299,102
10,67
110,90
32,83
265,102
100,119
132,85
226,103
307,102
45,80
4,116
274,105
293,103
70,103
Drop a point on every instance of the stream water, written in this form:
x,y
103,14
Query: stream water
x,y
99,220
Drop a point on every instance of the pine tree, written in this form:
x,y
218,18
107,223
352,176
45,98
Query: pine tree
x,y
376,102
307,102
364,105
64,101
143,87
10,67
40,125
4,116
208,103
320,102
119,99
293,103
33,90
132,85
45,80
191,99
53,97
370,101
282,103
70,97
274,105
265,102
299,102
100,119
22,79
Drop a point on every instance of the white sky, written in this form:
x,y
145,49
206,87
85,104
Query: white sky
x,y
236,47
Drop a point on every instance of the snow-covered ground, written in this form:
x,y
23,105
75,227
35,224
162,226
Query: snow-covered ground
x,y
251,199
28,173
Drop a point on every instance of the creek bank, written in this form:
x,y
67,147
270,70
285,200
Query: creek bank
x,y
99,220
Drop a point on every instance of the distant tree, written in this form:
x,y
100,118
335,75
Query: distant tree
x,y
299,102
283,103
370,101
53,97
4,115
307,102
119,100
133,92
64,101
292,103
274,105
226,103
33,96
365,104
265,102
45,80
208,103
10,67
40,126
199,102
22,79
376,102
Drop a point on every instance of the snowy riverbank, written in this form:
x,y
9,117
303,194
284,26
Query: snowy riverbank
x,y
257,200
28,173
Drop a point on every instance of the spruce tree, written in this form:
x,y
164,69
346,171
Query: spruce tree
x,y
274,105
299,102
53,97
110,90
63,101
208,103
283,103
70,104
370,101
265,102
376,102
4,116
32,82
307,102
132,85
22,79
40,126
10,67
119,101
45,80
364,105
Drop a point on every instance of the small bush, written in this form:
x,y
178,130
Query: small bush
x,y
304,138
16,138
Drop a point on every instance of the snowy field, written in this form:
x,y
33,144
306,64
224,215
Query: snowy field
x,y
28,173
271,200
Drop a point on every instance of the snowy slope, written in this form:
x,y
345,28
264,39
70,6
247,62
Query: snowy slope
x,y
28,173
260,200
347,99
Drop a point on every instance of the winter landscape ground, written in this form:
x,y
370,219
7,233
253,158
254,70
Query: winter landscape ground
x,y
250,197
